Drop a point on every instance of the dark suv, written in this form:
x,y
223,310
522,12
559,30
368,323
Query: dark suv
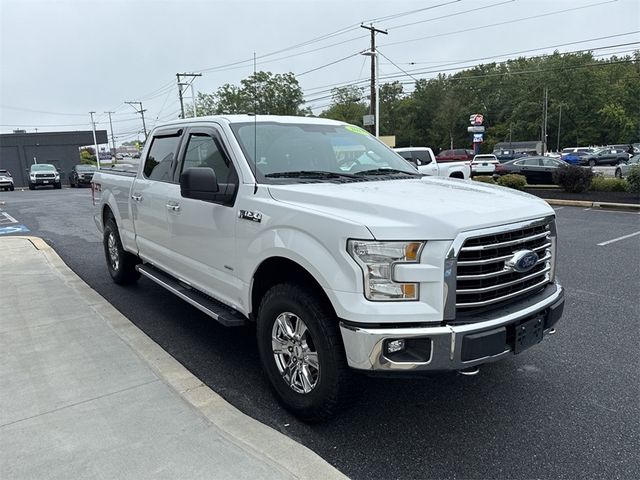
x,y
81,175
605,156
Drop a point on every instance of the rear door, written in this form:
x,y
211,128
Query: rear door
x,y
425,162
150,195
202,233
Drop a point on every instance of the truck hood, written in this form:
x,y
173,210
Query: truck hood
x,y
427,208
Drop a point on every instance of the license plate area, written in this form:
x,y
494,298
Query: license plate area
x,y
528,333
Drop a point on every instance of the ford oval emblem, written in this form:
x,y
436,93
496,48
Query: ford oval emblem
x,y
522,261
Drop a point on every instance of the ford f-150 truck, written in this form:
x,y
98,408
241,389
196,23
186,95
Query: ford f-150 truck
x,y
425,160
358,265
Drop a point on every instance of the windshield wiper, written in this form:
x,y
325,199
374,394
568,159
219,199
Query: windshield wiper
x,y
385,171
314,174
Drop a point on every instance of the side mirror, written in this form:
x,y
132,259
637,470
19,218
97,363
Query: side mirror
x,y
59,170
199,183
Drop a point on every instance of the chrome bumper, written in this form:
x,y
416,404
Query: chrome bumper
x,y
364,346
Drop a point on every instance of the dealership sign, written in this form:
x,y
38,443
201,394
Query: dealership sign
x,y
476,119
476,129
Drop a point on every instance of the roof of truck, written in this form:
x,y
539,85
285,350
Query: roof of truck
x,y
244,118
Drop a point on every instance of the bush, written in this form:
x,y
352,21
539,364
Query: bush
x,y
513,180
485,179
601,184
633,179
573,179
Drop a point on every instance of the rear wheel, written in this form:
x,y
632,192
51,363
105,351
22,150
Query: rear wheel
x,y
618,173
592,163
302,353
121,264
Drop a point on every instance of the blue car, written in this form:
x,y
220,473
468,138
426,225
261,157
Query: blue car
x,y
574,157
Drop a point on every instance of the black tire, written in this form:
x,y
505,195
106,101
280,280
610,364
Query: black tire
x,y
31,186
71,185
122,266
57,186
592,163
333,389
618,173
12,188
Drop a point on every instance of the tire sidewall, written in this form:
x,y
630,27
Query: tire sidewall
x,y
275,303
110,227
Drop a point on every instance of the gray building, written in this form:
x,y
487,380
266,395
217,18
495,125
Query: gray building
x,y
528,147
18,151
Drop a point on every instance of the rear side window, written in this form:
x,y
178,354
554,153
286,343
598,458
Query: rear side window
x,y
160,158
422,156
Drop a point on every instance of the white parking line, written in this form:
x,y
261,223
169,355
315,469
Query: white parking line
x,y
7,218
558,208
618,239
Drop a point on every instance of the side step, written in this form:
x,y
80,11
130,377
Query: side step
x,y
217,310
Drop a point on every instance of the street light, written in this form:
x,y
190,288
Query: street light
x,y
374,54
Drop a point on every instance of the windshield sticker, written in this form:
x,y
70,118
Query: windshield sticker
x,y
354,129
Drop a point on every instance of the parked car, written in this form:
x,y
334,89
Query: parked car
x,y
81,175
508,155
484,164
424,160
536,169
455,155
622,170
365,266
44,174
6,180
574,157
605,156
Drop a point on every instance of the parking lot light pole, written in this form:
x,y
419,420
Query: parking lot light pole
x,y
95,141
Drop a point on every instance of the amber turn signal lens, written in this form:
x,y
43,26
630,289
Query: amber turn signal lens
x,y
411,251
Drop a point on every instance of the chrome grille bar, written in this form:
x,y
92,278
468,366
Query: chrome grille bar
x,y
498,259
505,244
504,297
506,284
482,276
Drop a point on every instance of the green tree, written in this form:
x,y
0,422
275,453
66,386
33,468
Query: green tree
x,y
263,93
347,105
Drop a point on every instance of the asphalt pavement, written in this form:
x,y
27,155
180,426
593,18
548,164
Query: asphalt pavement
x,y
567,408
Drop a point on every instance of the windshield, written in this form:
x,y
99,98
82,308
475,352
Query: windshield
x,y
596,151
86,168
42,167
311,150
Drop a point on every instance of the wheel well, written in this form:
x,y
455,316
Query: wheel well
x,y
277,270
106,214
457,175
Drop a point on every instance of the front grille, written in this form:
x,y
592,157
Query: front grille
x,y
483,278
45,175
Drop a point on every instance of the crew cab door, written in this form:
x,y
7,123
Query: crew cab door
x,y
426,163
202,232
149,196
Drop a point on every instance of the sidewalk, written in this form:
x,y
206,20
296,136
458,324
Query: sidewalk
x,y
85,394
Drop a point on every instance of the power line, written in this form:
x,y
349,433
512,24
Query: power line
x,y
410,12
328,64
522,19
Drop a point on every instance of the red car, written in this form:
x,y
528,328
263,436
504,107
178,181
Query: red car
x,y
455,155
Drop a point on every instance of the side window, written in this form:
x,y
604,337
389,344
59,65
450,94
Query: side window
x,y
160,158
406,156
423,157
204,151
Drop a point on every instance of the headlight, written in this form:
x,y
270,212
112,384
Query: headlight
x,y
377,259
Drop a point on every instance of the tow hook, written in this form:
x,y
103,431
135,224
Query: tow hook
x,y
552,331
469,372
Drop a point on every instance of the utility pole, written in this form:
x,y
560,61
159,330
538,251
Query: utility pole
x,y
544,120
95,141
113,138
181,91
374,108
141,112
559,121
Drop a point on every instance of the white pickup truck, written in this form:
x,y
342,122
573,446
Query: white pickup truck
x,y
344,265
425,160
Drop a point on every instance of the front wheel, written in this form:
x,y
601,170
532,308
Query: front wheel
x,y
121,264
31,186
302,352
592,163
57,186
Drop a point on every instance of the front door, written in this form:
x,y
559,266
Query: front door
x,y
202,233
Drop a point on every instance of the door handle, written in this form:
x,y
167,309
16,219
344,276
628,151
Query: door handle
x,y
173,207
136,197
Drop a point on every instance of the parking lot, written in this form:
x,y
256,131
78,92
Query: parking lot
x,y
567,408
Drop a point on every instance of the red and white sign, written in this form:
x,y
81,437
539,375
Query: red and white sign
x,y
476,119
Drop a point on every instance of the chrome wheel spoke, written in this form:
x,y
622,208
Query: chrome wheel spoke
x,y
307,379
284,323
300,329
279,345
312,360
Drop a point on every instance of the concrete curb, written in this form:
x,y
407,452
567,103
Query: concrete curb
x,y
252,436
589,204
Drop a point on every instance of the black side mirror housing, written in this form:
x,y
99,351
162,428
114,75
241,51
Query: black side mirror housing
x,y
199,183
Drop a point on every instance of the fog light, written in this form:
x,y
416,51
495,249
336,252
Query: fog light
x,y
394,346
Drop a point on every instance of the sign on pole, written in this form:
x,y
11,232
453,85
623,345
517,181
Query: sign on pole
x,y
476,129
368,120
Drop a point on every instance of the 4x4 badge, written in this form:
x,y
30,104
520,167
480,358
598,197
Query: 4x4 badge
x,y
253,216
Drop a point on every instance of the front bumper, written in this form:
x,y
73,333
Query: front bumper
x,y
457,345
45,181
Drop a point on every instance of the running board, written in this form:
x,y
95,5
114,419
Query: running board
x,y
209,306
